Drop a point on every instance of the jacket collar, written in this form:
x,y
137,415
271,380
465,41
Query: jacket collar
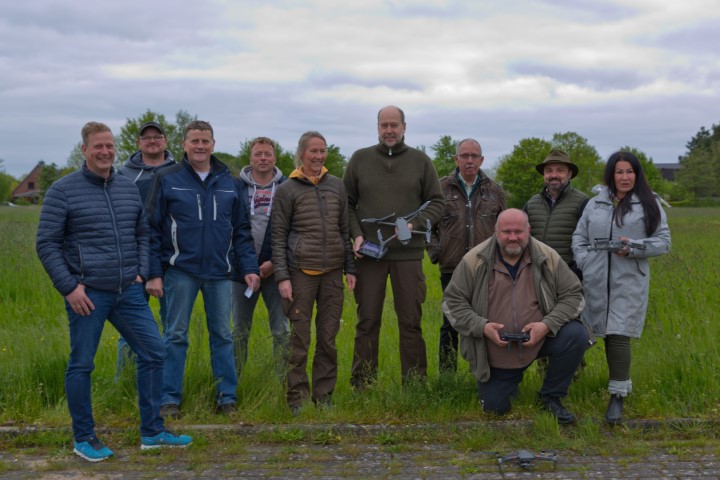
x,y
135,161
95,178
216,167
399,148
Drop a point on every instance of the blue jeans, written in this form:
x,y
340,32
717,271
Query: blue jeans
x,y
125,355
243,309
129,313
181,290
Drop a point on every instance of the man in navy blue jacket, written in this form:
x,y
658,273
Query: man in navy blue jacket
x,y
196,217
93,242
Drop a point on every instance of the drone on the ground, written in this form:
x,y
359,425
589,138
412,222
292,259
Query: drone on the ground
x,y
612,246
403,234
525,459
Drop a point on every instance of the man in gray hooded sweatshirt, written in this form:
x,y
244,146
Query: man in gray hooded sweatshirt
x,y
258,182
141,168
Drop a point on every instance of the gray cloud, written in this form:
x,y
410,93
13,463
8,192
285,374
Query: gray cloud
x,y
615,72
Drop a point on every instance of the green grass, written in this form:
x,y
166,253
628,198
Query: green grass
x,y
674,364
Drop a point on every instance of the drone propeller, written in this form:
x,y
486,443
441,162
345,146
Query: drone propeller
x,y
377,220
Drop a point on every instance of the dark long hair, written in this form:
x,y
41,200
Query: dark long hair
x,y
641,189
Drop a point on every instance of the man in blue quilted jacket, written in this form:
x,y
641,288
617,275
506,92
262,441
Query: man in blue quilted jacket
x,y
93,240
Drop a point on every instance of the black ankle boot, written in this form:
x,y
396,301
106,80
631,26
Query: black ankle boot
x,y
613,416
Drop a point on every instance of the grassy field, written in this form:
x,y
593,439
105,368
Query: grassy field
x,y
674,364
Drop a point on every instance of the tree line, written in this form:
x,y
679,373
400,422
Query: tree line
x,y
697,179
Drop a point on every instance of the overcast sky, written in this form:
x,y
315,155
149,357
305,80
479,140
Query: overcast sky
x,y
644,73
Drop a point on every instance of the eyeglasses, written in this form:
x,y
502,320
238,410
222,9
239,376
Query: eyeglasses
x,y
154,138
469,156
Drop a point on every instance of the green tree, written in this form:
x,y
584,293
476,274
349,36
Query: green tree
x,y
335,161
49,172
7,185
126,140
232,162
582,154
76,158
699,171
516,171
444,159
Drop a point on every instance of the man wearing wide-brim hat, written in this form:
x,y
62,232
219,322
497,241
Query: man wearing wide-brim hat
x,y
555,211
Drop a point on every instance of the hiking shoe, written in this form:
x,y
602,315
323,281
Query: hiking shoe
x,y
170,410
225,408
555,407
165,439
92,450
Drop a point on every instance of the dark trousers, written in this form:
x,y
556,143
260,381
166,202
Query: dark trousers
x,y
327,291
565,351
448,337
408,285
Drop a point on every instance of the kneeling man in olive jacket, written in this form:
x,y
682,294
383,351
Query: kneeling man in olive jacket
x,y
513,299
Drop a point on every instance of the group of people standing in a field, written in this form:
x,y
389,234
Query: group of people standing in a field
x,y
511,278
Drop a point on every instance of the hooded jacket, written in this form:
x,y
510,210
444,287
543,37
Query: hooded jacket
x,y
144,175
616,288
93,231
194,223
258,207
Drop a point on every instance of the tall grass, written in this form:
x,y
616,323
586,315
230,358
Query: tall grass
x,y
674,364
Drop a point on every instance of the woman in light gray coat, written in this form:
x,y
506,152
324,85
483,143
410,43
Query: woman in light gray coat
x,y
616,284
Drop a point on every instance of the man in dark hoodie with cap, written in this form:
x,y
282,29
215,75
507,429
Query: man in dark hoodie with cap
x,y
141,167
555,211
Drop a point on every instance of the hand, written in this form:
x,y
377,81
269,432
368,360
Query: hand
x,y
79,301
350,281
252,280
625,251
409,226
537,331
492,333
356,246
266,269
285,288
154,287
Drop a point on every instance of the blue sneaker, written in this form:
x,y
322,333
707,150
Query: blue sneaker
x,y
92,450
165,439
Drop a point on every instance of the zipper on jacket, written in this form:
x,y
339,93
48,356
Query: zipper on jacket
x,y
214,207
117,236
609,268
82,265
323,215
199,204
